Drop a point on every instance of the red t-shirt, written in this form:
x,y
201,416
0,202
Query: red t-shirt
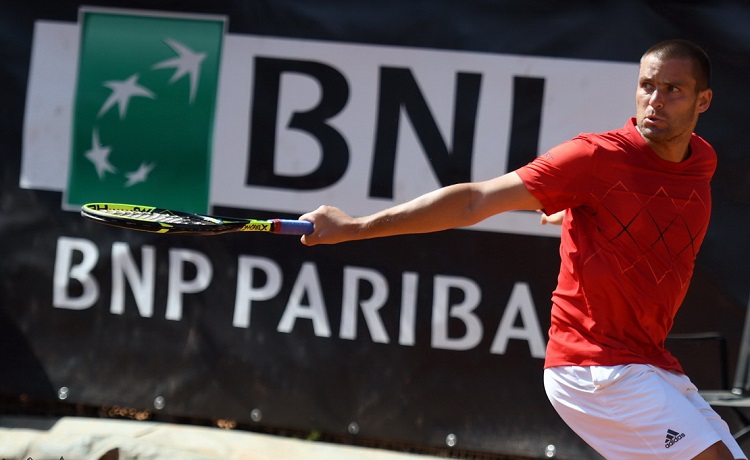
x,y
629,241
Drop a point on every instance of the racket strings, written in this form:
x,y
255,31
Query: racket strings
x,y
158,217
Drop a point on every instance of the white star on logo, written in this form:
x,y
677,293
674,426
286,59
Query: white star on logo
x,y
99,156
187,62
139,175
122,91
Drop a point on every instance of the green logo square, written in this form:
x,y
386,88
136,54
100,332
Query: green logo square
x,y
144,109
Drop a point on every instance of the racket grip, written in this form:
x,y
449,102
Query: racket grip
x,y
292,227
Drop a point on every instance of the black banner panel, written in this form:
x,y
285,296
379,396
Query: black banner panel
x,y
270,109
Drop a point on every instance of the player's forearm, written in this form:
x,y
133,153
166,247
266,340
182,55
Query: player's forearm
x,y
442,209
434,211
454,206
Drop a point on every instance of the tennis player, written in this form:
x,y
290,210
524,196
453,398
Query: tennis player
x,y
637,204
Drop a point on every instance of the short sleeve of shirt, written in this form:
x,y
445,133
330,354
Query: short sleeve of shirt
x,y
561,178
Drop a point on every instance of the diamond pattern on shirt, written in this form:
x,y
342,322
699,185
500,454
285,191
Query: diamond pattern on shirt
x,y
655,232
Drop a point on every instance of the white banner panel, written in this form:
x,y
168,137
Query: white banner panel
x,y
578,95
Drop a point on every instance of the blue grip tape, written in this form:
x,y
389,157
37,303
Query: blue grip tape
x,y
293,227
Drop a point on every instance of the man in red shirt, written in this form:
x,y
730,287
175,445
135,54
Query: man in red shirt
x,y
636,207
633,215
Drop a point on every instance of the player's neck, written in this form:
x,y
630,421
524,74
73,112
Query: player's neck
x,y
673,150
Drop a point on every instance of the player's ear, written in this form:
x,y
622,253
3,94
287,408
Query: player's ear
x,y
704,100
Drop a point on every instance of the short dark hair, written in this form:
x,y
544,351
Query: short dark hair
x,y
684,49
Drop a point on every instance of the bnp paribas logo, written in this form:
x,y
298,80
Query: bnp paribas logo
x,y
144,109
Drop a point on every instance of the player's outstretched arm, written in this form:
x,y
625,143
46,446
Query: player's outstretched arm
x,y
453,206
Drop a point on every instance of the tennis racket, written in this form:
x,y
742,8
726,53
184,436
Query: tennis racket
x,y
156,220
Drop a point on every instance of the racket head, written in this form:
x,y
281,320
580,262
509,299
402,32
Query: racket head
x,y
152,219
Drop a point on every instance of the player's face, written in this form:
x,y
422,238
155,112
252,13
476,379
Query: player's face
x,y
668,102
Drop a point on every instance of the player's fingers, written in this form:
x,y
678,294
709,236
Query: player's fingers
x,y
307,240
314,217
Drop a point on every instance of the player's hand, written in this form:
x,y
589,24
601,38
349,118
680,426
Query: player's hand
x,y
332,225
554,219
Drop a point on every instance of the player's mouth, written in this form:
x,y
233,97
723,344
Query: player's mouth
x,y
653,121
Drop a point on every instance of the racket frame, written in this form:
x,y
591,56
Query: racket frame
x,y
201,224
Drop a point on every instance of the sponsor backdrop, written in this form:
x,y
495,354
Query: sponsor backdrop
x,y
270,109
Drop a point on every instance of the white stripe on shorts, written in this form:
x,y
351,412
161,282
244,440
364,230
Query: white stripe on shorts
x,y
636,411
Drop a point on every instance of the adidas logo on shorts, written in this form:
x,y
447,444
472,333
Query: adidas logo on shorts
x,y
672,438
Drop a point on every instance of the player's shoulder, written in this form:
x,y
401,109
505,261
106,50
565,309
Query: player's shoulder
x,y
621,140
613,140
703,156
697,142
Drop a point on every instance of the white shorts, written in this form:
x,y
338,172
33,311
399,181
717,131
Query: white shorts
x,y
636,411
